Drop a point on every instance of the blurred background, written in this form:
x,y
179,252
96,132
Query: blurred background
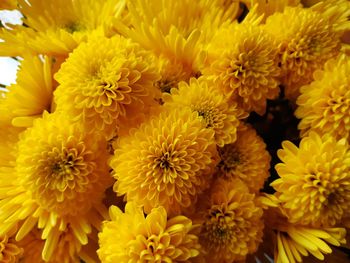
x,y
8,66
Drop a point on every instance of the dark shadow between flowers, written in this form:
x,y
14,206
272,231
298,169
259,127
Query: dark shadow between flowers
x,y
275,126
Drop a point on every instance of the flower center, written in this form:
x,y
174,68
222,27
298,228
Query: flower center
x,y
219,227
209,114
165,85
74,27
230,158
164,161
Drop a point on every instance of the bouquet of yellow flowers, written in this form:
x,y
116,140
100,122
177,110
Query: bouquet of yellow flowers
x,y
176,131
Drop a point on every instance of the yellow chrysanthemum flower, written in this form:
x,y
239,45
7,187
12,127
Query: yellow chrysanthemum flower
x,y
62,171
177,31
32,94
204,97
314,180
109,81
8,4
294,243
307,37
10,251
168,161
56,181
246,159
324,105
132,237
232,223
243,59
57,27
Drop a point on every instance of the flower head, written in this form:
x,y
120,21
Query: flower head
x,y
132,237
168,161
32,94
204,97
56,181
177,31
324,105
307,39
62,171
246,159
109,80
243,59
314,180
232,223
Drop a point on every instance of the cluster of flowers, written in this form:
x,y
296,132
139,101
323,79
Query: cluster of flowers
x,y
128,136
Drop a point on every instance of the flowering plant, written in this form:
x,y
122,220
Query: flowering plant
x,y
176,131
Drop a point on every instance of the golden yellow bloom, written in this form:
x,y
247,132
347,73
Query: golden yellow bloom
x,y
105,83
56,183
294,243
32,94
314,180
64,171
168,161
8,4
177,31
232,223
132,237
204,97
324,105
246,159
10,251
243,59
307,39
57,27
